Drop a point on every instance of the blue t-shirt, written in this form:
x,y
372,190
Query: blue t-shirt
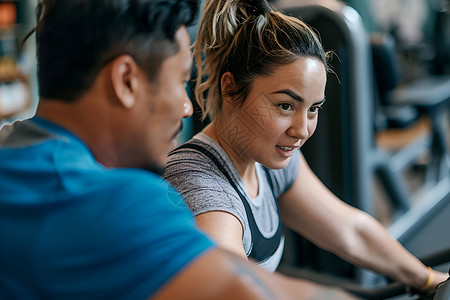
x,y
72,229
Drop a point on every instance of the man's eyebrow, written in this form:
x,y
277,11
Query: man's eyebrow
x,y
297,97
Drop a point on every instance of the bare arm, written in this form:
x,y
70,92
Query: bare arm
x,y
313,211
224,228
221,275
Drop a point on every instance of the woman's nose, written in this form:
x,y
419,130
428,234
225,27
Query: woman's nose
x,y
299,127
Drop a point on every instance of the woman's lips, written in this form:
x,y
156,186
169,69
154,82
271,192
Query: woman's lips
x,y
286,151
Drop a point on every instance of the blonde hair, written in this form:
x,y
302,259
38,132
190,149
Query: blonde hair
x,y
249,40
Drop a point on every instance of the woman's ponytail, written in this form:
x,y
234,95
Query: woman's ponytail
x,y
248,39
220,21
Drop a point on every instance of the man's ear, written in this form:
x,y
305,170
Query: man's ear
x,y
124,79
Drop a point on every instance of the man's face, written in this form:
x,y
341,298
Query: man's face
x,y
162,106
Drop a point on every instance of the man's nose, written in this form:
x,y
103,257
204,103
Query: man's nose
x,y
188,109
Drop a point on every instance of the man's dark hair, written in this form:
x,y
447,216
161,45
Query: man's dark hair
x,y
76,38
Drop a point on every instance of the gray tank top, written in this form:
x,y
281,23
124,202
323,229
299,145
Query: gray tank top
x,y
205,188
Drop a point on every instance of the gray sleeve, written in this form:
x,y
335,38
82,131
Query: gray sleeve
x,y
203,187
283,179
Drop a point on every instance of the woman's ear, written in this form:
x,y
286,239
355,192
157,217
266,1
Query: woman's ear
x,y
124,79
226,82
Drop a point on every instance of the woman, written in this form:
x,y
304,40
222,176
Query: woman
x,y
243,174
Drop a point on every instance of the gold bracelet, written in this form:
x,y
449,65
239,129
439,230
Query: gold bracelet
x,y
429,282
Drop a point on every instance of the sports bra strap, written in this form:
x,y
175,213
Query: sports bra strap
x,y
262,247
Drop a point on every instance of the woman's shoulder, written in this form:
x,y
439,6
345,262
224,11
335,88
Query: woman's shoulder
x,y
201,153
195,174
192,169
197,165
189,157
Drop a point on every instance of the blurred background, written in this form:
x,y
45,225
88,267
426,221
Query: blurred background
x,y
383,138
18,88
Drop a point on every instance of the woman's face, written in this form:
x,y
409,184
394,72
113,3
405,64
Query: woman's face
x,y
279,114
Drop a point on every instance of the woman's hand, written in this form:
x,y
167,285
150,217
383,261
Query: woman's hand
x,y
438,278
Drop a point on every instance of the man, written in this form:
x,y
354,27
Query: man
x,y
83,213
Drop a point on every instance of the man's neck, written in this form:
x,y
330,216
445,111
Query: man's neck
x,y
87,122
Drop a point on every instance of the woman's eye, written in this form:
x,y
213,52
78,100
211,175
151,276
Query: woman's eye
x,y
285,106
315,109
